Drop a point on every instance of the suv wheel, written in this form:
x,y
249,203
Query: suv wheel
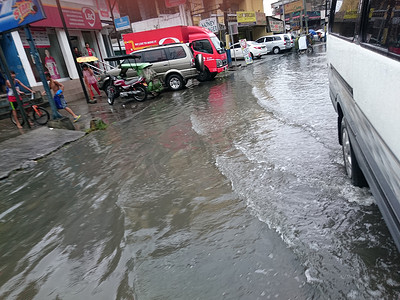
x,y
175,82
276,50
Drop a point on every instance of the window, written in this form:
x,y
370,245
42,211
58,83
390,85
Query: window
x,y
345,18
269,39
202,46
175,52
260,40
153,56
236,46
277,38
383,28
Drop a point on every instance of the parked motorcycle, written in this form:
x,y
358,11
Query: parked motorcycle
x,y
138,87
135,88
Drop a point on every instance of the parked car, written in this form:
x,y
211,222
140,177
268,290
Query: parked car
x,y
173,63
256,50
276,43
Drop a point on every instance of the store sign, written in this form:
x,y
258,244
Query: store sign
x,y
103,7
261,19
80,18
294,6
39,35
246,18
275,25
17,13
173,3
210,23
122,23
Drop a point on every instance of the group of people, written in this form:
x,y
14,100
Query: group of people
x,y
56,87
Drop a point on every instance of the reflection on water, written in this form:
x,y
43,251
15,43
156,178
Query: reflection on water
x,y
232,189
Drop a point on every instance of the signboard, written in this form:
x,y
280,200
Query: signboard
x,y
261,19
275,25
39,35
172,3
294,6
80,18
122,23
16,13
103,7
210,23
246,18
246,51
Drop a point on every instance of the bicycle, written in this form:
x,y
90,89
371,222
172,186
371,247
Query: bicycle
x,y
34,113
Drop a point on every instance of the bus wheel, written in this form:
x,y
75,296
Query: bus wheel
x,y
350,161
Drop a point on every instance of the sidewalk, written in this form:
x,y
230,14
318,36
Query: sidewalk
x,y
19,148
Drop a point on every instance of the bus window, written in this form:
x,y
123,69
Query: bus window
x,y
345,18
383,27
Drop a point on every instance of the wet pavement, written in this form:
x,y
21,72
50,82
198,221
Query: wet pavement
x,y
231,189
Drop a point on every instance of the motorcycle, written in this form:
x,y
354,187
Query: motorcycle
x,y
138,87
135,87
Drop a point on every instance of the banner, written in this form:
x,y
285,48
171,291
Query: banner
x,y
246,51
17,13
80,18
246,18
210,23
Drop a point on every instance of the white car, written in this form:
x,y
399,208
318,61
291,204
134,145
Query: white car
x,y
256,50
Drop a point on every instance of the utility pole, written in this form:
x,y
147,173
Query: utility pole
x,y
78,67
305,16
284,18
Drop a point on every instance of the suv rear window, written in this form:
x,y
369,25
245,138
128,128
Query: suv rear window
x,y
175,52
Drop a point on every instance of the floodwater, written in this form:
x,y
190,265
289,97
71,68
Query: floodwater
x,y
231,189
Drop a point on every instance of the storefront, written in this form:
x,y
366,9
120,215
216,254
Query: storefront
x,y
251,25
84,26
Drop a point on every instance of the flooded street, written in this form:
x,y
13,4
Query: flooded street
x,y
231,189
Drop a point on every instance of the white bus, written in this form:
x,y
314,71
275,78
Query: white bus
x,y
364,81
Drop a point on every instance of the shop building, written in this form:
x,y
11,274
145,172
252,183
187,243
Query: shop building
x,y
84,23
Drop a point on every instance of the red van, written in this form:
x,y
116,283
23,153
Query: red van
x,y
201,40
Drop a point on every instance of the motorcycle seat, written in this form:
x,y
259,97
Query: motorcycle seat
x,y
131,81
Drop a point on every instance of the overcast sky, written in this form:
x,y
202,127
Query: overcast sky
x,y
267,7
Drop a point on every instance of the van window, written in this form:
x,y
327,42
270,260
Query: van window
x,y
175,52
153,56
202,46
345,18
383,27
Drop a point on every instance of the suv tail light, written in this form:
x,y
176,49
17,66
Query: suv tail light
x,y
193,63
284,43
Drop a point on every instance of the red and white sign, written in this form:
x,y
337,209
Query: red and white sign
x,y
172,3
80,18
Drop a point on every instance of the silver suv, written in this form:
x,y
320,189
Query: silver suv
x,y
276,43
173,63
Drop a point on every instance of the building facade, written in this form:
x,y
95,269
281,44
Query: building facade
x,y
85,25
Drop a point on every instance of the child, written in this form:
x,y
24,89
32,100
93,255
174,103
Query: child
x,y
90,81
56,87
11,97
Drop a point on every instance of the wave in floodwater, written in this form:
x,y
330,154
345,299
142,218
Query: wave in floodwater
x,y
286,164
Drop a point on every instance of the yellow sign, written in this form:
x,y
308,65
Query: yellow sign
x,y
246,17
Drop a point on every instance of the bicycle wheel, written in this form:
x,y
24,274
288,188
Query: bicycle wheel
x,y
19,116
41,116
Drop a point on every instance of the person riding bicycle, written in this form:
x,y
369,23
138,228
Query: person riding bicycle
x,y
11,97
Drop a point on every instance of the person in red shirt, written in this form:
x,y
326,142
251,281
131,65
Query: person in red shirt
x,y
88,51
